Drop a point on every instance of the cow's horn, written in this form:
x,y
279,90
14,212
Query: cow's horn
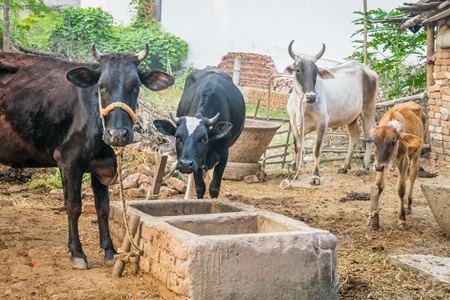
x,y
95,53
143,54
173,117
319,55
291,53
214,119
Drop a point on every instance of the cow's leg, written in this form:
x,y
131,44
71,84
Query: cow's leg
x,y
375,194
413,174
368,120
214,186
200,186
401,192
101,198
71,181
353,135
315,180
189,187
298,143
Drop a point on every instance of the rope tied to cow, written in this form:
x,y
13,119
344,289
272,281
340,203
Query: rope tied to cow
x,y
105,111
135,250
287,182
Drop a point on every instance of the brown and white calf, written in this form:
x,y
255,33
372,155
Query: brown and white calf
x,y
398,140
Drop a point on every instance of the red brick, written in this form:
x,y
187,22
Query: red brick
x,y
434,95
442,62
434,122
89,208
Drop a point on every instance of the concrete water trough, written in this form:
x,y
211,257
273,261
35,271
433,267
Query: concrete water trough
x,y
211,249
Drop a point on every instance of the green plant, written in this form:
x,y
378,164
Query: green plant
x,y
52,182
46,184
390,53
17,30
71,32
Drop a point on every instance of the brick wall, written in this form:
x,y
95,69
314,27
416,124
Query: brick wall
x,y
439,107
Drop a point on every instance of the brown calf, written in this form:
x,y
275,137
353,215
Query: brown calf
x,y
398,140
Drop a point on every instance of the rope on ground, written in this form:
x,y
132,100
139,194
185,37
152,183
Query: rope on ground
x,y
135,250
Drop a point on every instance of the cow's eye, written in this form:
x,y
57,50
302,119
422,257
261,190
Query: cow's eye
x,y
136,89
297,70
178,139
393,143
103,90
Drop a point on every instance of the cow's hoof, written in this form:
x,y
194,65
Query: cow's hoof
x,y
80,263
109,262
315,181
407,211
361,173
375,227
342,171
402,226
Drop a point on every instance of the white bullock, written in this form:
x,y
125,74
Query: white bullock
x,y
333,97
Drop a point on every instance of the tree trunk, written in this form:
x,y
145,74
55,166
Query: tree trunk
x,y
6,31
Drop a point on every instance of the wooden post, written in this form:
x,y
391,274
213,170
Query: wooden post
x,y
6,26
365,32
430,49
159,174
119,266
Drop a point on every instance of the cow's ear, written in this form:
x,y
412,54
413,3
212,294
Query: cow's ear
x,y
83,77
221,129
409,140
156,80
289,69
325,73
165,127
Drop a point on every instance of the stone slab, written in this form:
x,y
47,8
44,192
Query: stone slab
x,y
435,268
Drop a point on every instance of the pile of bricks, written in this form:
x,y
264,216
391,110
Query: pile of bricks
x,y
257,74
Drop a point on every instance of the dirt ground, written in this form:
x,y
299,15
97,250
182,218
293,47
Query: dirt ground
x,y
34,263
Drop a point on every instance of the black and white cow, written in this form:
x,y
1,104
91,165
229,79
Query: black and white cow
x,y
56,113
210,118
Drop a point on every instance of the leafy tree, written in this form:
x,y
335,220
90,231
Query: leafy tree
x,y
71,32
390,52
35,7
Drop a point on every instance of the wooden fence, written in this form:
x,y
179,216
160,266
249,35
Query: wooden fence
x,y
335,145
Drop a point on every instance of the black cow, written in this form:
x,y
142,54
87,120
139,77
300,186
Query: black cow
x,y
47,120
210,118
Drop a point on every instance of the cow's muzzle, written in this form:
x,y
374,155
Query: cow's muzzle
x,y
185,166
119,137
311,97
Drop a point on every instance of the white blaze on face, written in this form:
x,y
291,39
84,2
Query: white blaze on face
x,y
396,124
191,124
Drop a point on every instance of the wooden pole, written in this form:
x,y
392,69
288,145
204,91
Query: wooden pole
x,y
365,32
430,50
158,177
6,26
119,266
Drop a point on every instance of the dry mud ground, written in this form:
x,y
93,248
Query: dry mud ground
x,y
34,263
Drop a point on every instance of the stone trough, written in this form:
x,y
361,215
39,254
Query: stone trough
x,y
209,249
